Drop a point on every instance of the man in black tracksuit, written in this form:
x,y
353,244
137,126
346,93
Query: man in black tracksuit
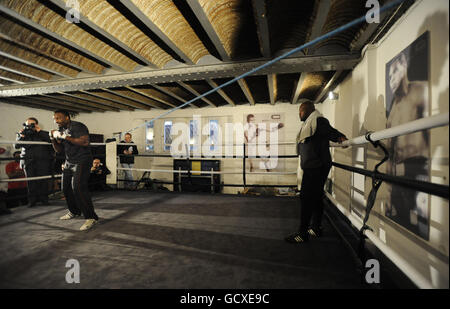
x,y
73,138
313,148
36,160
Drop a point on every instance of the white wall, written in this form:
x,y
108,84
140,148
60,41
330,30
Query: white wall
x,y
11,119
124,121
108,123
360,108
362,95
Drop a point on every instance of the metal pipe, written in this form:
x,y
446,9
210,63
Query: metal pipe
x,y
423,186
205,172
43,143
212,180
219,185
243,165
179,179
403,129
29,178
210,157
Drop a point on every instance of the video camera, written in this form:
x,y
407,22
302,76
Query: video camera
x,y
28,129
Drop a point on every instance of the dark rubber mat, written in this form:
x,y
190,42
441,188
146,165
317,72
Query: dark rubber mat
x,y
170,240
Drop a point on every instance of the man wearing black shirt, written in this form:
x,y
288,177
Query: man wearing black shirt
x,y
126,153
73,138
313,148
35,160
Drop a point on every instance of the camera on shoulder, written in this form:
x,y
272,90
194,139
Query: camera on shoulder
x,y
28,129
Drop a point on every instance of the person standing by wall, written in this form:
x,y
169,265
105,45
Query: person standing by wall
x,y
313,148
126,153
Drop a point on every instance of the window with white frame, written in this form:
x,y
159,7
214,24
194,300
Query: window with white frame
x,y
213,134
149,136
193,135
167,136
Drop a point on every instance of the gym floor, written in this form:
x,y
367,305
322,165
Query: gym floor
x,y
172,241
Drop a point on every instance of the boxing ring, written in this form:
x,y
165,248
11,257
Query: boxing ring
x,y
148,239
237,238
172,240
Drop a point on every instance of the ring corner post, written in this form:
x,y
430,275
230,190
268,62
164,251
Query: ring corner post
x,y
111,162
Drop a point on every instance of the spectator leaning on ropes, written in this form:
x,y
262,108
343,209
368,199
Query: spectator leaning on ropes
x,y
126,153
314,149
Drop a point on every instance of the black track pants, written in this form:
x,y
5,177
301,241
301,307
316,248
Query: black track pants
x,y
75,186
37,189
311,197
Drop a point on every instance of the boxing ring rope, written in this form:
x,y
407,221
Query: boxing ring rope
x,y
205,172
189,172
411,127
403,129
44,143
287,54
423,186
30,178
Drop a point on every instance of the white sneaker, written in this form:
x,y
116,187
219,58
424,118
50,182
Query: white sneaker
x,y
68,216
88,224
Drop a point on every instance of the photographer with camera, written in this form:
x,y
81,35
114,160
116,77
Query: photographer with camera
x,y
35,160
97,179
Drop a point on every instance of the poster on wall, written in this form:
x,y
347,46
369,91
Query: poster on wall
x,y
407,99
262,133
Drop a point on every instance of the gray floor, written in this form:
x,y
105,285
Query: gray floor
x,y
169,240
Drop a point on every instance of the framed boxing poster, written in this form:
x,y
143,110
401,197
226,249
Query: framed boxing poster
x,y
262,133
407,99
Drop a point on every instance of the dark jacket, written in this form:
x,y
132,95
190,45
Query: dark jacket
x,y
99,174
129,159
97,178
35,152
101,170
315,151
